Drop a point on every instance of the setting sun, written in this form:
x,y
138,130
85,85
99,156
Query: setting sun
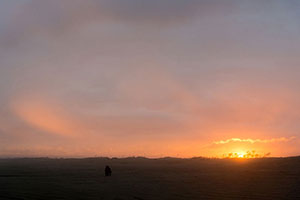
x,y
247,154
241,155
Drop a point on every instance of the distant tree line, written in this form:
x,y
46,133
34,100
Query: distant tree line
x,y
248,154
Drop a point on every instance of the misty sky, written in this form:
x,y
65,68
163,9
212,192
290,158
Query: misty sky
x,y
149,77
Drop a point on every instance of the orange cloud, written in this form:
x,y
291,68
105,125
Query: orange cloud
x,y
44,115
252,141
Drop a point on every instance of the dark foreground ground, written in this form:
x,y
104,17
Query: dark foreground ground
x,y
144,179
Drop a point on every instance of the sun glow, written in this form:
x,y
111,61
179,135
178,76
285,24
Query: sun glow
x,y
241,155
247,154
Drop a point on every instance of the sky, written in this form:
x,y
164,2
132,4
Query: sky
x,y
149,78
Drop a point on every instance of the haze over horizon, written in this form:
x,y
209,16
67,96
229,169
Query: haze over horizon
x,y
149,77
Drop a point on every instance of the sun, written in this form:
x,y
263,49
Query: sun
x,y
241,155
244,154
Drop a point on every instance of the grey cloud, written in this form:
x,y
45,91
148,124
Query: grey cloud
x,y
58,17
132,10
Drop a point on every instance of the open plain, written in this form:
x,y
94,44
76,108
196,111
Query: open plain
x,y
150,179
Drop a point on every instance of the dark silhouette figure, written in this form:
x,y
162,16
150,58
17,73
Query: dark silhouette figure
x,y
107,171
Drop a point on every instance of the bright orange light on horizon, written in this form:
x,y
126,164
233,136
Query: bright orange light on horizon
x,y
250,147
247,154
241,155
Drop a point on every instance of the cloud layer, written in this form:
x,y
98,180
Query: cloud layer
x,y
252,141
129,77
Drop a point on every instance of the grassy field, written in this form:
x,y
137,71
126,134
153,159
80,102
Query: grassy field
x,y
150,179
